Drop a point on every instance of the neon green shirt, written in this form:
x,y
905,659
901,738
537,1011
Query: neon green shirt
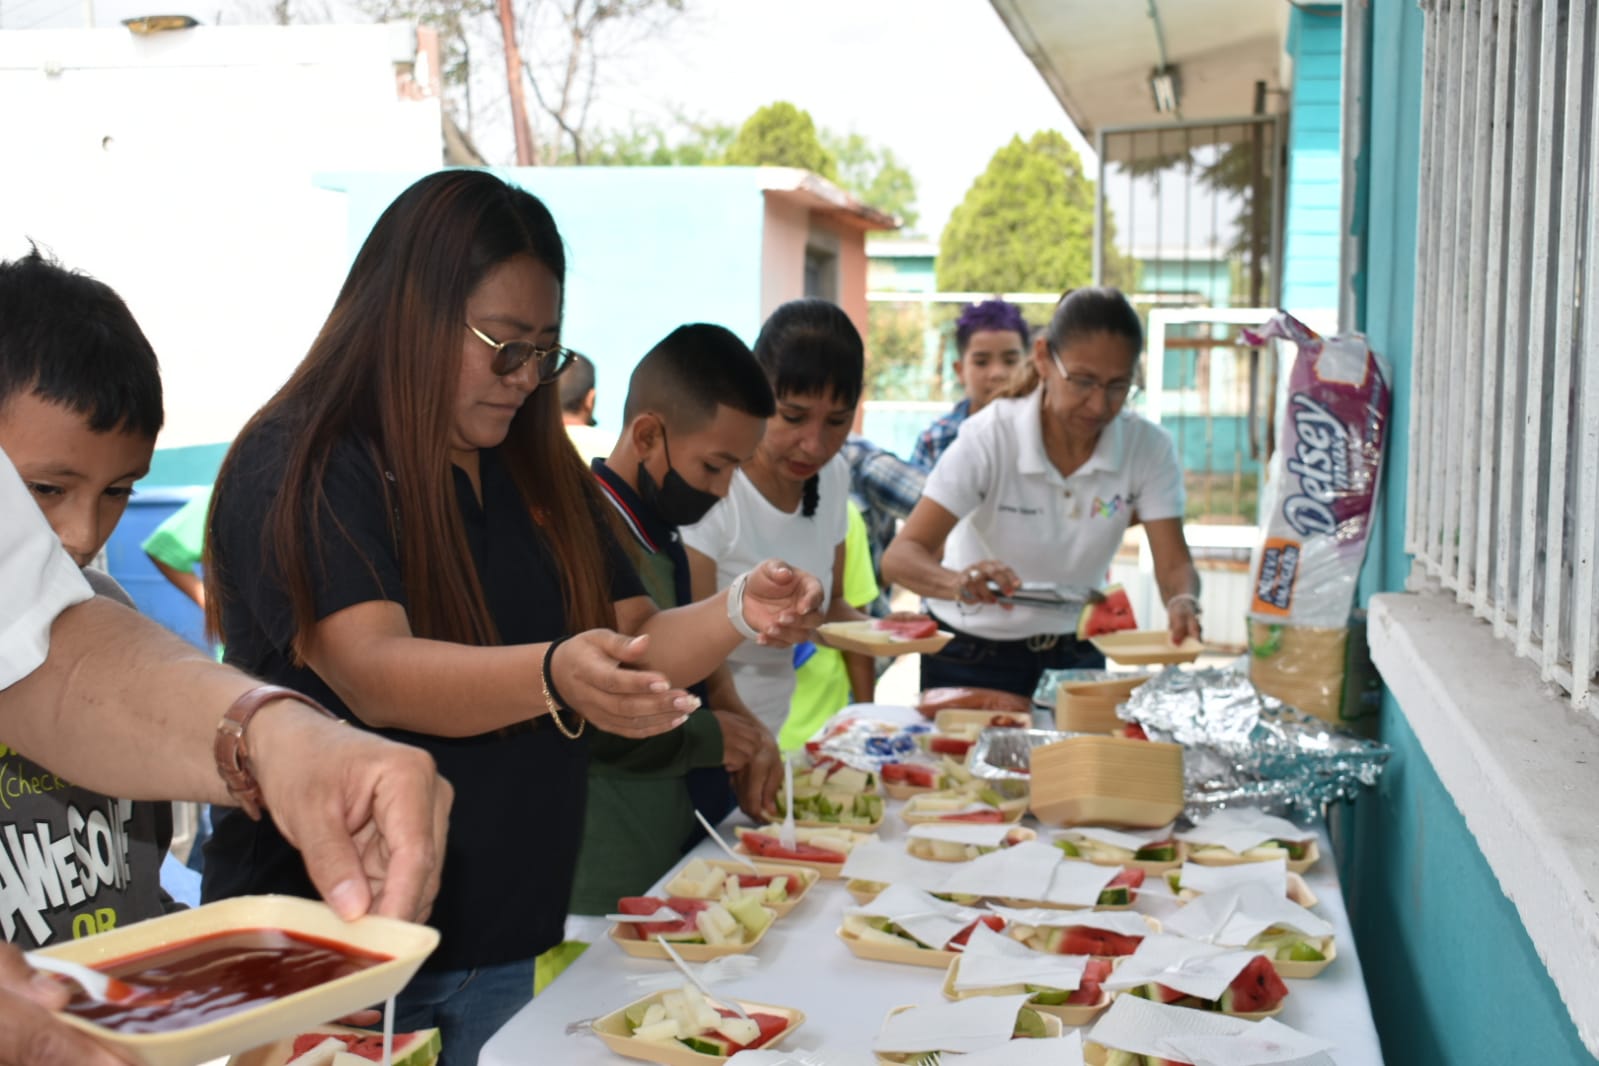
x,y
822,684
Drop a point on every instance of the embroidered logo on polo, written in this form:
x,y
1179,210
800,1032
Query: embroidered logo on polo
x,y
1102,508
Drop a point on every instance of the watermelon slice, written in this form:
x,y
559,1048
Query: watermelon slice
x,y
990,817
766,846
993,921
1085,940
913,774
907,627
941,744
1123,888
420,1048
1256,988
1088,988
1113,613
688,908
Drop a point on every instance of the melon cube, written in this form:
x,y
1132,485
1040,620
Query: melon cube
x,y
661,1032
848,779
739,1030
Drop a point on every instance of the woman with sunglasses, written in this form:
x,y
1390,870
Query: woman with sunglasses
x,y
405,533
1039,487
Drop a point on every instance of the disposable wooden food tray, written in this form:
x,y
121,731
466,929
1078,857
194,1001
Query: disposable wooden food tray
x,y
1149,866
1052,1031
626,936
1144,647
841,635
1110,781
613,1029
1011,809
407,945
909,955
1298,866
1302,971
1068,1013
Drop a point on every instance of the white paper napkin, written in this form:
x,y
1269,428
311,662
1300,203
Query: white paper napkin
x,y
1122,923
931,921
1140,1025
1022,871
1273,874
1190,967
963,1025
1235,916
1241,828
982,835
992,960
1131,839
877,860
1078,884
1266,1043
1067,1051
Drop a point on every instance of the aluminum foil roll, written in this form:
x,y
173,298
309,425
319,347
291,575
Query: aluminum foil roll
x,y
1241,747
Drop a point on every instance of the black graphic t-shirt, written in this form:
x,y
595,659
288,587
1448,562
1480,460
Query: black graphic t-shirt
x,y
519,793
74,862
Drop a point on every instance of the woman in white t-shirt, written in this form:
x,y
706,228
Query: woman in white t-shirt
x,y
789,501
1039,487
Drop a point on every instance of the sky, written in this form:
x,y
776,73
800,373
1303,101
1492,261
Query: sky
x,y
941,82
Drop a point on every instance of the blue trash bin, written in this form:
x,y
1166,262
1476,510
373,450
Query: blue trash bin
x,y
151,591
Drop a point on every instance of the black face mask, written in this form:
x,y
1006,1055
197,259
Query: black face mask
x,y
675,500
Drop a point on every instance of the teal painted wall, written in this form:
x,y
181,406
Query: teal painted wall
x,y
1310,221
1441,945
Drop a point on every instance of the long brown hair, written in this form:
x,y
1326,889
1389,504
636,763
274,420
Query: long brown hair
x,y
382,372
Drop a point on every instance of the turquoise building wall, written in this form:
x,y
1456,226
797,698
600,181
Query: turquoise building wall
x,y
1310,220
1453,976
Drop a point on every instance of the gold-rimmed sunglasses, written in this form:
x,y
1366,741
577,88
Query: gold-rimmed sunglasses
x,y
511,356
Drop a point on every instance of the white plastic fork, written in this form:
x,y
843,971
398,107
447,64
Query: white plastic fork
x,y
786,835
694,980
710,831
98,985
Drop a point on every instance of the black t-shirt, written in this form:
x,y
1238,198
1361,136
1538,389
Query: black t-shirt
x,y
517,820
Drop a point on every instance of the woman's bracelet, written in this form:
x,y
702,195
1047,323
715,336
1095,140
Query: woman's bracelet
x,y
1185,597
735,608
552,696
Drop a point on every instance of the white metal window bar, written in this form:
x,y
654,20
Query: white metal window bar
x,y
1503,500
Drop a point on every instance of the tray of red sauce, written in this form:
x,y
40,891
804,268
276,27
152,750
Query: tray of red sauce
x,y
239,973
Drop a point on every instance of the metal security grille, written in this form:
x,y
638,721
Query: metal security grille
x,y
1503,504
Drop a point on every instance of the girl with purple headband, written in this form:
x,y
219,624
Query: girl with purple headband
x,y
989,341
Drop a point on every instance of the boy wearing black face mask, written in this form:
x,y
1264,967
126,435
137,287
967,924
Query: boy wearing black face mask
x,y
696,408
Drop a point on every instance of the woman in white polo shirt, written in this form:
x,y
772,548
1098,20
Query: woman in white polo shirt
x,y
1039,487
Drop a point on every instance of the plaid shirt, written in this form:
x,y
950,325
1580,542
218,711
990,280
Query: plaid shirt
x,y
885,488
939,436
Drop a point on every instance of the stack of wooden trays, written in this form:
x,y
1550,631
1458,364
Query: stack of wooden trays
x,y
1111,781
1090,706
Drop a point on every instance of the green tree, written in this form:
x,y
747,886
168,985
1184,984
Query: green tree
x,y
1026,224
684,143
781,135
874,174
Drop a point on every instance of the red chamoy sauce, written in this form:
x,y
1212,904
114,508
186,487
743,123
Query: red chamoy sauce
x,y
193,982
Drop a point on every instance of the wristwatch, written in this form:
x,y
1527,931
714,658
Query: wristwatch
x,y
233,754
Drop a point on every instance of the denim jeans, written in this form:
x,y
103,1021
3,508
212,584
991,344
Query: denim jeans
x,y
467,1006
1007,665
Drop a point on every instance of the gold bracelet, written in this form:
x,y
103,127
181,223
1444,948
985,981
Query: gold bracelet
x,y
552,702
